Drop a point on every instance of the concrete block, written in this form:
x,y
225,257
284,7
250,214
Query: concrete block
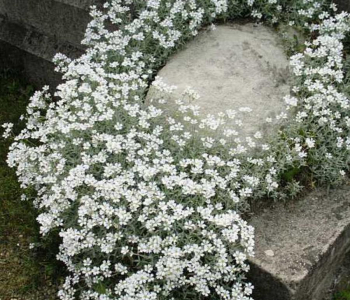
x,y
300,246
82,4
343,5
49,17
33,31
34,42
30,51
37,71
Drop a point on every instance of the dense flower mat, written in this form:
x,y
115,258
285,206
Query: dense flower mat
x,y
147,207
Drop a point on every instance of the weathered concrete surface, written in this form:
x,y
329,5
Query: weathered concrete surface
x,y
34,42
33,31
49,17
37,70
343,4
231,67
341,281
300,246
82,4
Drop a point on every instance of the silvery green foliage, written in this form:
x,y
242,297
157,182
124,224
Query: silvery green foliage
x,y
146,208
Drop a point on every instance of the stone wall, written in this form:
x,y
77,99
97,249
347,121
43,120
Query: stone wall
x,y
32,31
343,4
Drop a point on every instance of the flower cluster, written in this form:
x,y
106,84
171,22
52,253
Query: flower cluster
x,y
147,206
322,108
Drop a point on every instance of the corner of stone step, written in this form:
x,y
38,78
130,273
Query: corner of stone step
x,y
299,246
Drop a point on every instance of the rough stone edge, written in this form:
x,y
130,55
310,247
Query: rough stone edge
x,y
34,42
37,71
82,4
23,48
309,287
343,5
325,268
49,17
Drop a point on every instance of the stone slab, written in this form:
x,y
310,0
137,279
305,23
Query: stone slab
x,y
49,17
300,246
343,5
341,281
82,4
231,67
24,48
33,31
37,71
34,42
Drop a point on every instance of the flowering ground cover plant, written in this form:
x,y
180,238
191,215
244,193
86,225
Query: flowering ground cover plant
x,y
146,208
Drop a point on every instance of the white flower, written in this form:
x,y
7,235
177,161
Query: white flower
x,y
8,129
310,142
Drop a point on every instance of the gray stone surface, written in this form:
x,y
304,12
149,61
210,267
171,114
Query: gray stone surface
x,y
82,4
34,42
52,18
309,239
343,4
231,67
33,31
37,71
341,281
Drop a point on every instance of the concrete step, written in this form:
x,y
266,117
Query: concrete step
x,y
82,4
24,48
53,18
301,245
35,42
33,31
343,4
